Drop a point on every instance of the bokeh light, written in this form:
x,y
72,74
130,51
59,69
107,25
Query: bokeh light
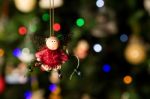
x,y
25,50
124,38
54,77
1,52
127,79
52,87
106,68
25,6
22,30
28,95
2,84
82,49
45,4
45,17
80,22
97,48
99,3
17,52
32,28
135,53
56,27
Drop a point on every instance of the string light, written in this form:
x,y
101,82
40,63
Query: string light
x,y
56,27
28,95
45,17
1,52
32,28
80,22
17,52
124,38
25,50
2,84
106,68
52,87
99,3
127,79
97,48
22,30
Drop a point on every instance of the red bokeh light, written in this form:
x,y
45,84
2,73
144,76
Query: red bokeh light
x,y
2,84
56,27
22,30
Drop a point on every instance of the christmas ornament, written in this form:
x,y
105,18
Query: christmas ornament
x,y
81,49
45,4
135,52
25,5
147,5
51,56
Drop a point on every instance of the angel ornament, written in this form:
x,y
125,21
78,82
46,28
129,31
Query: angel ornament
x,y
51,57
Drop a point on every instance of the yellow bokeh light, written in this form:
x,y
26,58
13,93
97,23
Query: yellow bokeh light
x,y
1,52
127,79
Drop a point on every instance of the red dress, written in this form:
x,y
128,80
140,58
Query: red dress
x,y
52,58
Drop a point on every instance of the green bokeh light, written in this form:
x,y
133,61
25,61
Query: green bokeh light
x,y
45,17
33,28
80,22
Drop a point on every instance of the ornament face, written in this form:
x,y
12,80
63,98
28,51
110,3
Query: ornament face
x,y
52,43
25,5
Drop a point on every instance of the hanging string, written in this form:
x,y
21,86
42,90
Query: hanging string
x,y
52,17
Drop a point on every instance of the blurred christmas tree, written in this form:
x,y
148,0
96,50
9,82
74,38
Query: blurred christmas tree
x,y
111,39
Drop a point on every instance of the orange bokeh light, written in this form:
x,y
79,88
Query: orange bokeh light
x,y
1,52
127,79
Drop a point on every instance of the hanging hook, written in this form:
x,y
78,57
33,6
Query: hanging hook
x,y
75,70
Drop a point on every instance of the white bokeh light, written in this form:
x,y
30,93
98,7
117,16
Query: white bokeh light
x,y
25,50
99,3
97,48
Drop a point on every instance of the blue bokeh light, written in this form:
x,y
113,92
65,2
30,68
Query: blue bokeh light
x,y
106,68
52,87
28,95
124,38
17,52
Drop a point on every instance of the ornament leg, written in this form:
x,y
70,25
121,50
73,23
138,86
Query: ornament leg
x,y
59,74
44,68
